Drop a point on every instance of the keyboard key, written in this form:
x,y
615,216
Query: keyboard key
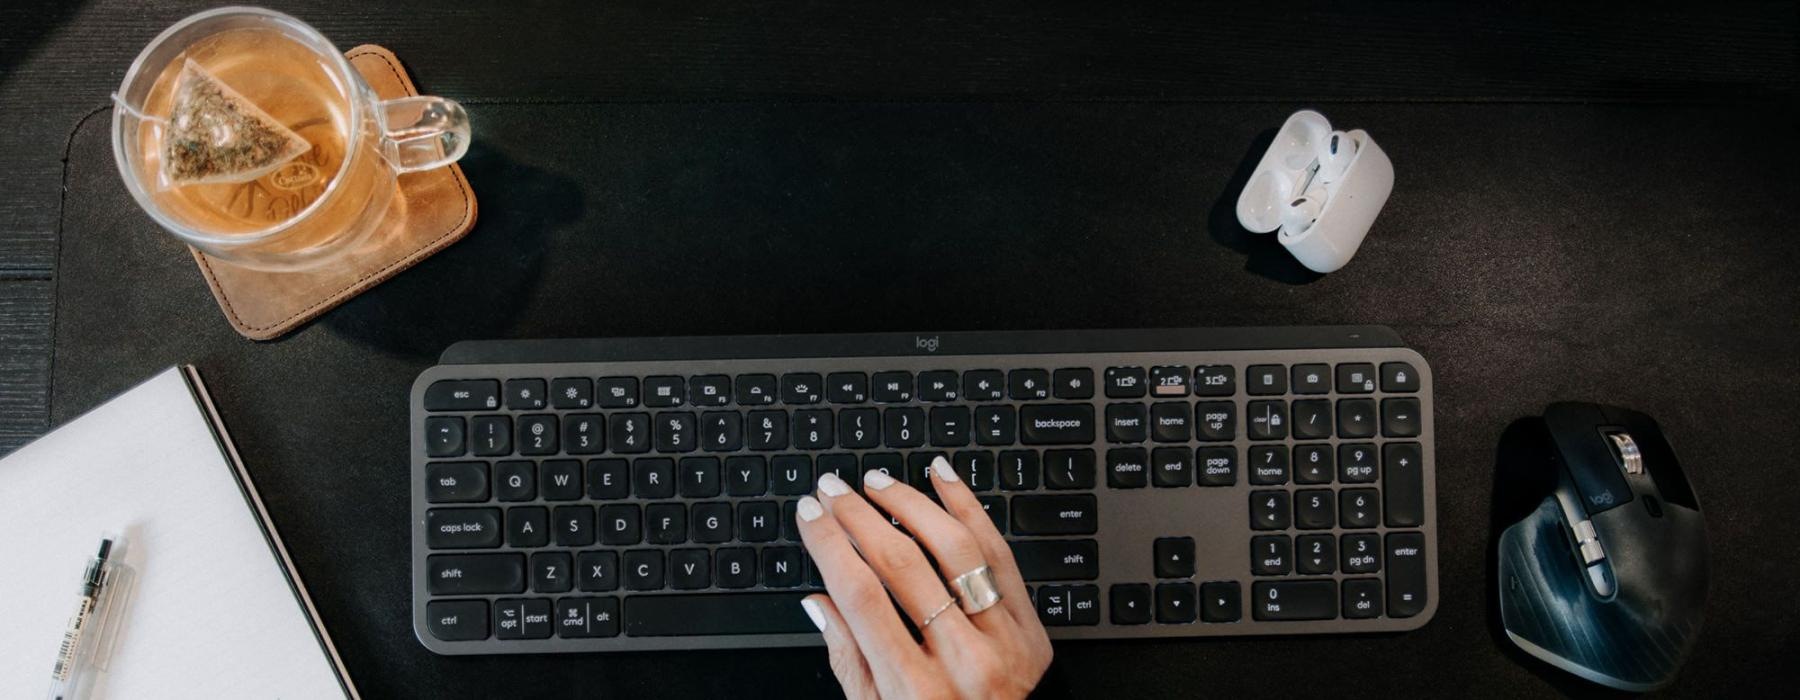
x,y
756,389
1063,606
457,620
490,436
1404,482
1057,424
746,475
474,574
1268,420
1269,510
1271,555
1361,553
574,526
710,390
527,618
706,614
800,388
583,618
995,506
1174,557
1127,422
1073,383
619,524
1172,467
1359,507
940,385
1312,419
949,426
462,528
976,469
813,429
1294,600
527,527
768,430
664,392
456,482
1317,555
859,428
665,523
1219,601
1268,465
1169,422
843,465
1399,377
571,393
1069,469
1362,598
653,478
608,479
1356,418
444,436
888,463
597,571
1356,463
560,479
893,387
847,387
537,435
1311,378
583,434
1175,603
616,392
1217,420
1171,381
551,572
1265,380
995,426
690,569
462,395
699,477
1057,560
1124,383
721,431
712,523
903,427
675,432
1215,380
781,567
984,385
630,432
1355,378
1218,465
1127,468
759,521
1130,603
1313,464
1028,384
736,567
525,394
644,570
1400,417
791,475
1314,509
1054,515
1405,574
918,471
515,481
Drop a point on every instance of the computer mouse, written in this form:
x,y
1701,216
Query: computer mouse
x,y
1607,578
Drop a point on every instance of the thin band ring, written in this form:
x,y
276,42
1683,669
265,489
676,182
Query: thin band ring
x,y
976,589
935,613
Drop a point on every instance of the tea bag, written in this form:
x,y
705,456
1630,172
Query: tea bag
x,y
215,135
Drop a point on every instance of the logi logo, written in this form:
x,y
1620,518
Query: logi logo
x,y
927,344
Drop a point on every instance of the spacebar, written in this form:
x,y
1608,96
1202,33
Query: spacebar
x,y
706,614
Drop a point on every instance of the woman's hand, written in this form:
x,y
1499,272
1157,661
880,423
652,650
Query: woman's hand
x,y
997,652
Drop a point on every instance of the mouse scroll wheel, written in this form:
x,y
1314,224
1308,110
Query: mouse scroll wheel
x,y
1626,451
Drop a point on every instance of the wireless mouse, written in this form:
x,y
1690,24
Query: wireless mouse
x,y
1607,578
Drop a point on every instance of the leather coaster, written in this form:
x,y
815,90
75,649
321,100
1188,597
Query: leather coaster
x,y
437,209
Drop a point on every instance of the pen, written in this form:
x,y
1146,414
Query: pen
x,y
72,656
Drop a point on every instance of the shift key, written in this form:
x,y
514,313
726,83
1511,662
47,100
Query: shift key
x,y
465,574
1057,560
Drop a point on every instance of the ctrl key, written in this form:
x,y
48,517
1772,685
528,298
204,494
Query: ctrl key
x,y
1065,606
457,620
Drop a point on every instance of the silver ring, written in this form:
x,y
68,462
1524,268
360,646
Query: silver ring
x,y
977,590
935,613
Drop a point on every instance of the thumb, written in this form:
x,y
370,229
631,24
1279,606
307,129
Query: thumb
x,y
847,662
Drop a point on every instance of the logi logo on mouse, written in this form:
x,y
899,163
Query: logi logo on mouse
x,y
927,344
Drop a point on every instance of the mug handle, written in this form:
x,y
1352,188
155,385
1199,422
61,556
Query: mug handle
x,y
421,133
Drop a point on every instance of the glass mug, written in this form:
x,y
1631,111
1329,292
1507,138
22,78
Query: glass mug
x,y
305,211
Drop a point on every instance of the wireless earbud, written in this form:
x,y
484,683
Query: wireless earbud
x,y
1335,155
1302,211
1320,187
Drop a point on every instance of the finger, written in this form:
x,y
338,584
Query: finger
x,y
847,661
962,504
866,610
894,557
948,539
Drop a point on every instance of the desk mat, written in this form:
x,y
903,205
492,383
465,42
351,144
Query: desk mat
x,y
1530,252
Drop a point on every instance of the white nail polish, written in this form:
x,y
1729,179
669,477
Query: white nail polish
x,y
809,509
941,467
877,479
814,611
833,486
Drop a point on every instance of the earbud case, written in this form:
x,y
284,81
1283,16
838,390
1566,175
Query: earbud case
x,y
1351,201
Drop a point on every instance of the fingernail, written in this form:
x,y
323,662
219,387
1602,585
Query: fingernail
x,y
877,479
833,486
812,606
941,467
809,509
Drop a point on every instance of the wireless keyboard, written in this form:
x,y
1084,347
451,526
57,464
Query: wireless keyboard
x,y
639,494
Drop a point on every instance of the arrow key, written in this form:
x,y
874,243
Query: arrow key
x,y
1315,555
1174,557
1175,603
1130,603
1219,602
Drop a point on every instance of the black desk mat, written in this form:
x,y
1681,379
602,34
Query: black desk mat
x,y
1637,255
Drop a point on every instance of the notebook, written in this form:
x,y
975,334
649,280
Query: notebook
x,y
215,608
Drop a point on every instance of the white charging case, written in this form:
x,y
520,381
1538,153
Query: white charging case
x,y
1351,202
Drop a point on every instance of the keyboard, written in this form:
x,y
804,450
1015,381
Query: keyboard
x,y
639,494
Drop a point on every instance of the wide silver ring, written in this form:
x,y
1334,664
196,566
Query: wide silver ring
x,y
935,613
976,589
